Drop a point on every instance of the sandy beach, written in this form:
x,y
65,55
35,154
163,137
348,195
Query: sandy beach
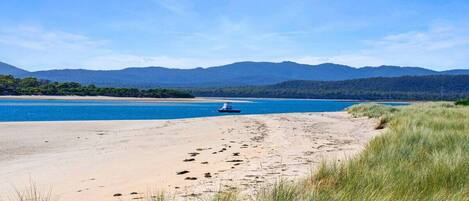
x,y
95,160
109,98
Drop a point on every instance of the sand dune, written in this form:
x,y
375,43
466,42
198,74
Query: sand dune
x,y
96,160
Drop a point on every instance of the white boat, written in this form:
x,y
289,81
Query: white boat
x,y
228,108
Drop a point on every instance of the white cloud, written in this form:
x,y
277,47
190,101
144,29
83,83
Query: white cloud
x,y
439,47
34,48
37,39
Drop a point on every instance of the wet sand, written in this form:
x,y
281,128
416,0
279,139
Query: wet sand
x,y
95,160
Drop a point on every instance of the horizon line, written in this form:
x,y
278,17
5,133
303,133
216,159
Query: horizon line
x,y
231,63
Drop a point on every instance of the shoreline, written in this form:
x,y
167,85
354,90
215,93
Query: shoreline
x,y
110,98
318,99
157,120
201,99
128,156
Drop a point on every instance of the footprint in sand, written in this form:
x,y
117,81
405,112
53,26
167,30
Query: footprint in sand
x,y
236,154
189,160
191,178
208,175
182,172
235,161
194,154
205,162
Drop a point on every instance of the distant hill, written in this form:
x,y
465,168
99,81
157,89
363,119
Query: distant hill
x,y
236,74
7,69
434,87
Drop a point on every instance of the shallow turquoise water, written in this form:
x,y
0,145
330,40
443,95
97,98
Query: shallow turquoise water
x,y
60,110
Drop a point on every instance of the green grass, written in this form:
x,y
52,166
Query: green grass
x,y
423,155
464,102
382,112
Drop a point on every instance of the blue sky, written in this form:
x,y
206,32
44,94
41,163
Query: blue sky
x,y
112,34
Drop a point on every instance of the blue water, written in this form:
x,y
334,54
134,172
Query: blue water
x,y
64,110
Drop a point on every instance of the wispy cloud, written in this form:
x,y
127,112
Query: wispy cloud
x,y
33,46
181,8
441,46
37,39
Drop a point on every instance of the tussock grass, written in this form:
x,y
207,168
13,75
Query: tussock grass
x,y
382,112
152,195
423,156
280,191
229,195
372,110
31,193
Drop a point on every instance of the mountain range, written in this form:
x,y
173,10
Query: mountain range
x,y
235,74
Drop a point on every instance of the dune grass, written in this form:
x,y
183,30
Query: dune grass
x,y
30,193
423,155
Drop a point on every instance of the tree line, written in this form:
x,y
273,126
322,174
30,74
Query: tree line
x,y
10,85
439,87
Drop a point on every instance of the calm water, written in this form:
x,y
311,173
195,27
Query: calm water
x,y
58,110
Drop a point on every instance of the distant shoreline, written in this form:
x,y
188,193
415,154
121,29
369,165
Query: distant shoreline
x,y
195,100
316,99
109,98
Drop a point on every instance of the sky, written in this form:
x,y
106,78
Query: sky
x,y
113,34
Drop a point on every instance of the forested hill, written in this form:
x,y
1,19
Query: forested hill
x,y
32,86
235,74
438,87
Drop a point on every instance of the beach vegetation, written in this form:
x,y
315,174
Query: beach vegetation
x,y
31,193
10,85
464,102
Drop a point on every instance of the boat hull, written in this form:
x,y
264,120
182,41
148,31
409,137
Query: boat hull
x,y
230,111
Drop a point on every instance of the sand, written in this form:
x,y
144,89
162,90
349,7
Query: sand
x,y
109,98
94,160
